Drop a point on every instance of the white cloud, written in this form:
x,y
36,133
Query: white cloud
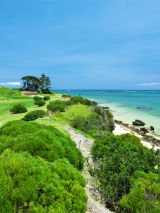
x,y
10,84
150,84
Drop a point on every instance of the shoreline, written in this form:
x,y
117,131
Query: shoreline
x,y
149,140
127,115
121,129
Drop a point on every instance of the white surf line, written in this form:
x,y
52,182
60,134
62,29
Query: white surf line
x,y
83,143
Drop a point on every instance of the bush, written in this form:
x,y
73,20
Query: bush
x,y
144,193
95,124
57,106
66,96
39,103
19,108
106,117
37,98
33,115
46,98
39,140
117,159
86,124
78,99
35,185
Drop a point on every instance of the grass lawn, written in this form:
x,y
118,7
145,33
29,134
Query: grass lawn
x,y
8,98
72,112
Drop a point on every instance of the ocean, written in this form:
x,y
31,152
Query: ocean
x,y
127,105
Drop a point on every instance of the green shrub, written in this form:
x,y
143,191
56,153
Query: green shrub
x,y
144,195
35,185
33,115
37,98
78,99
117,159
94,124
106,117
39,140
39,103
66,96
18,108
46,98
57,106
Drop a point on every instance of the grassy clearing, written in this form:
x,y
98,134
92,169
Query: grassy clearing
x,y
54,123
74,111
8,98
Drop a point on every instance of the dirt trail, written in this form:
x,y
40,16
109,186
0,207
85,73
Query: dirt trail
x,y
95,204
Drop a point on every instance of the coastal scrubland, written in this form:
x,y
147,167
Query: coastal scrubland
x,y
41,168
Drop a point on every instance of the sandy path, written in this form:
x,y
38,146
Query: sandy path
x,y
94,200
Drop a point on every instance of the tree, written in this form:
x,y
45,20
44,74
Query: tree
x,y
31,83
45,83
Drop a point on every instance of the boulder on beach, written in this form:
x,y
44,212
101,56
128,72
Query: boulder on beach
x,y
151,128
138,123
144,130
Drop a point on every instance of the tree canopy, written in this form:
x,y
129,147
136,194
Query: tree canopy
x,y
32,83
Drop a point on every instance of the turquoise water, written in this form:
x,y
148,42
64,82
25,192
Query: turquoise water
x,y
127,105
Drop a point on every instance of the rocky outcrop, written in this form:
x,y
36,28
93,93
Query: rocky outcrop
x,y
142,132
138,123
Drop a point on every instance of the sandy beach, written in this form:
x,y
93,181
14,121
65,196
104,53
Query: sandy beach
x,y
119,129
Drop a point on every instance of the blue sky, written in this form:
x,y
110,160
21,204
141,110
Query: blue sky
x,y
82,44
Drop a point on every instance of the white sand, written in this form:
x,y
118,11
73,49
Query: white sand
x,y
119,129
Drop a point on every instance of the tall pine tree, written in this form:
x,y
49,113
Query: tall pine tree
x,y
45,83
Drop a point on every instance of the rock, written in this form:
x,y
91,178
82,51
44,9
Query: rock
x,y
151,128
142,108
144,130
106,108
138,123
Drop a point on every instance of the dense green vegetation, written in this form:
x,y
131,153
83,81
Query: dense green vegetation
x,y
92,120
144,195
40,103
33,115
39,140
57,106
31,184
40,173
81,100
46,98
37,98
117,159
18,108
